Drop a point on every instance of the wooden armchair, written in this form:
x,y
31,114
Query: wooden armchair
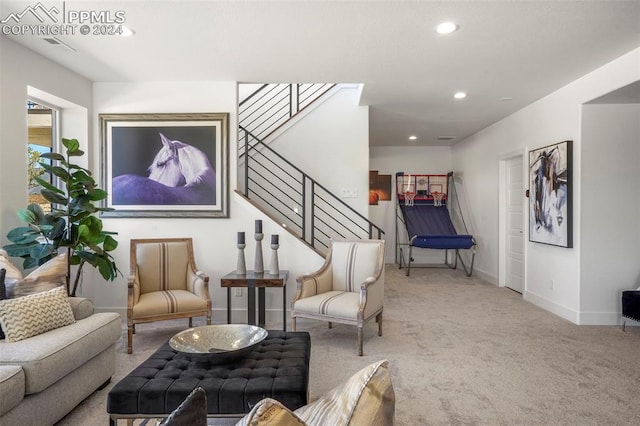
x,y
165,284
348,288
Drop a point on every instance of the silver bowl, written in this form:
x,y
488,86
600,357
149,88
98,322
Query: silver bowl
x,y
221,342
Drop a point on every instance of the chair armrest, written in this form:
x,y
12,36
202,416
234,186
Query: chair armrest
x,y
198,284
372,293
133,286
81,307
317,282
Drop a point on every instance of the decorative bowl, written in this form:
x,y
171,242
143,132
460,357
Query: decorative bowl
x,y
221,342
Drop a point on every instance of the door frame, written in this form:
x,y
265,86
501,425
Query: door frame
x,y
502,216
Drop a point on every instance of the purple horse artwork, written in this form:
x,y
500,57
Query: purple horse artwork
x,y
180,174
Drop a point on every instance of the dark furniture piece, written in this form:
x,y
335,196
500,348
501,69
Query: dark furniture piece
x,y
630,306
260,280
278,368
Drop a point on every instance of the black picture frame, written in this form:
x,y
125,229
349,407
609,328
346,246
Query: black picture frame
x,y
165,165
551,194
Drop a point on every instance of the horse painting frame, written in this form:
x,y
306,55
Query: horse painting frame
x,y
165,165
551,195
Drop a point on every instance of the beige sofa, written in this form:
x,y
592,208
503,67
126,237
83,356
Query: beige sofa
x,y
44,377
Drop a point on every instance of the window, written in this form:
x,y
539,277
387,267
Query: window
x,y
42,123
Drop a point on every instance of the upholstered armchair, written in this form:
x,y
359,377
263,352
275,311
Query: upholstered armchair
x,y
347,289
165,284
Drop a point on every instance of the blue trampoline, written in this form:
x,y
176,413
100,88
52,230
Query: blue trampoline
x,y
428,224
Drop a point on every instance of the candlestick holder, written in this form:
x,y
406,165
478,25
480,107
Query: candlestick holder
x,y
241,266
258,265
274,269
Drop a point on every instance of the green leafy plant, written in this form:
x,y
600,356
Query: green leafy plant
x,y
72,223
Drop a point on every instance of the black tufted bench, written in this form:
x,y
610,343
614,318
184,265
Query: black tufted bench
x,y
278,368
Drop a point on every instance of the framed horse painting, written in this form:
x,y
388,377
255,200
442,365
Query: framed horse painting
x,y
165,165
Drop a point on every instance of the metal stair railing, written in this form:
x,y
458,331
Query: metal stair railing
x,y
297,200
272,105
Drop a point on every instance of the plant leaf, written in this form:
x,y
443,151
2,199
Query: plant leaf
x,y
22,235
110,243
43,183
27,216
54,197
72,145
52,156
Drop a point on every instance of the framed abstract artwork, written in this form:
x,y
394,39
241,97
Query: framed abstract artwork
x,y
165,165
551,195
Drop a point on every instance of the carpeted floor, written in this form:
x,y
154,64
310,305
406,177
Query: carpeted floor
x,y
462,352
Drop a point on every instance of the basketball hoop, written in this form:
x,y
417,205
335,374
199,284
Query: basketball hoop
x,y
437,198
408,198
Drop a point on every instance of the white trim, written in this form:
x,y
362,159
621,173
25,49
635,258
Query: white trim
x,y
553,307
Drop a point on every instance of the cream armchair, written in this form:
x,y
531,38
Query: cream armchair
x,y
348,288
165,284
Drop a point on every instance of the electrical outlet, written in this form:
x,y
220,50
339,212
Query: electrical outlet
x,y
238,292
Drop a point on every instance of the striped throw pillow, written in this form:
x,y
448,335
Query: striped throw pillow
x,y
35,314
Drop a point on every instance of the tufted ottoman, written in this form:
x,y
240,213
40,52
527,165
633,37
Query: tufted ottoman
x,y
278,368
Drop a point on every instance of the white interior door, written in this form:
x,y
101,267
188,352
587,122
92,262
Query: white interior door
x,y
514,204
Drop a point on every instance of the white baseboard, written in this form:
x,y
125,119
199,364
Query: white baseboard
x,y
604,318
553,307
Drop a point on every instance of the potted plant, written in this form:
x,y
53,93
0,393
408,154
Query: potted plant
x,y
71,224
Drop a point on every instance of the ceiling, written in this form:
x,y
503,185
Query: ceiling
x,y
505,55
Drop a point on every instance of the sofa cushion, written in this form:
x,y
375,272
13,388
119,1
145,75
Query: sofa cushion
x,y
11,387
31,315
48,357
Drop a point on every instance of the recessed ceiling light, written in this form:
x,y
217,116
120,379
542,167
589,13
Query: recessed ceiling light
x,y
413,138
460,95
446,28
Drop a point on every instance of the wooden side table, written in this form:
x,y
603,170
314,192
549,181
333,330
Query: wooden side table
x,y
260,280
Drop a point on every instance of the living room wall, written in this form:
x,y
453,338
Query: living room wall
x,y
552,119
24,73
610,205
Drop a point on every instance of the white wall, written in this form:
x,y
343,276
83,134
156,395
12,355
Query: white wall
x,y
610,205
214,239
552,119
410,160
331,144
23,72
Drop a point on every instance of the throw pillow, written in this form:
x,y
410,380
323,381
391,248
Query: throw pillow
x,y
191,412
270,412
367,398
13,273
45,277
35,314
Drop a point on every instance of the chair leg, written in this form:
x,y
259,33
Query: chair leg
x,y
130,339
293,323
209,318
624,322
134,328
190,322
330,324
379,321
359,340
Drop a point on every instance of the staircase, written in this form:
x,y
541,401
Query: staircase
x,y
277,186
